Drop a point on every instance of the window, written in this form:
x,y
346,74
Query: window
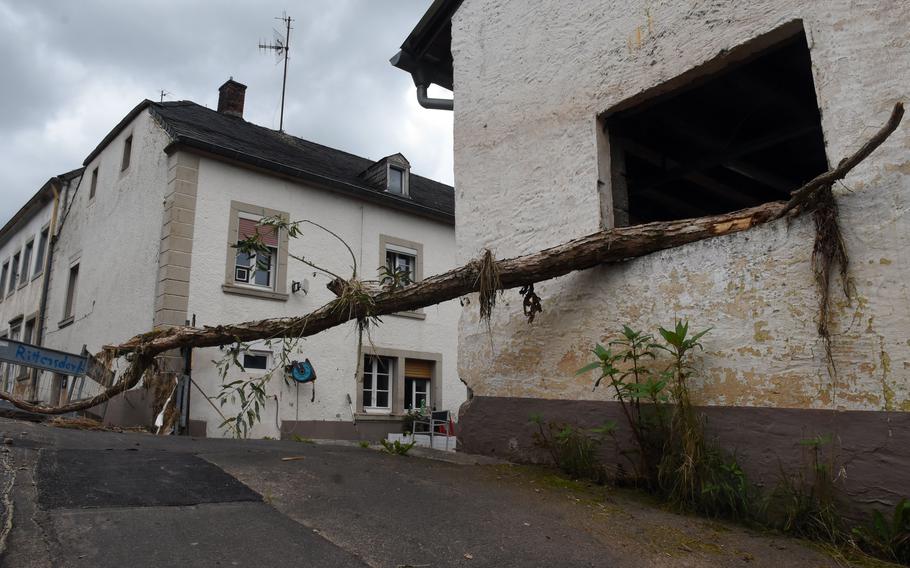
x,y
127,150
94,186
4,272
402,259
42,250
396,180
28,331
256,268
403,255
263,274
70,304
12,371
26,261
738,132
13,274
256,360
377,381
417,376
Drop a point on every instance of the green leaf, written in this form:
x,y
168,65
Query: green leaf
x,y
588,368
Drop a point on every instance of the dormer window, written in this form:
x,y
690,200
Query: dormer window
x,y
396,180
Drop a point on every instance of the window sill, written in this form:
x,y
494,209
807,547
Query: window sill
x,y
244,291
371,417
65,322
24,284
36,276
412,315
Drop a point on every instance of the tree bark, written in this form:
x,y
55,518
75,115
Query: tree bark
x,y
602,247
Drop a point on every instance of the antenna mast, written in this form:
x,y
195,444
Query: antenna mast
x,y
281,47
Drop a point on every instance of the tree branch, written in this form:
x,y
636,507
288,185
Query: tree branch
x,y
603,247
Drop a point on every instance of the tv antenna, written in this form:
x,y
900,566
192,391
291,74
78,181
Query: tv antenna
x,y
163,94
281,46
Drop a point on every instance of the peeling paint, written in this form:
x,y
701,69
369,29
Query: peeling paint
x,y
755,288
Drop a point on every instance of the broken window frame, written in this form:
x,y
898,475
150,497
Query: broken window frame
x,y
749,184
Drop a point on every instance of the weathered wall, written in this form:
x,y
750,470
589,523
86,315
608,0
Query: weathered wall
x,y
115,239
529,84
334,352
24,299
526,161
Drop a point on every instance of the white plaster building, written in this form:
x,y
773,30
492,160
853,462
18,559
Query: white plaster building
x,y
24,256
146,241
576,115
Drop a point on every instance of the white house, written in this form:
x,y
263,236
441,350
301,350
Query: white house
x,y
146,240
25,244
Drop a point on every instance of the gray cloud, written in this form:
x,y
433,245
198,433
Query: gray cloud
x,y
71,70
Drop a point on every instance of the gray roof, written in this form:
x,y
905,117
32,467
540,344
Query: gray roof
x,y
194,126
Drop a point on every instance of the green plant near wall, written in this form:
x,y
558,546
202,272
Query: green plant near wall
x,y
573,450
805,503
887,537
396,448
674,460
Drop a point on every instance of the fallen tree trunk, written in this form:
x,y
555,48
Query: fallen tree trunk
x,y
608,246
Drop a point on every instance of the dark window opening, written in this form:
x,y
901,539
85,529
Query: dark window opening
x,y
127,150
94,186
70,303
256,361
744,136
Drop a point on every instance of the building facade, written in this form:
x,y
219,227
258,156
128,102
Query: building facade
x,y
148,240
577,116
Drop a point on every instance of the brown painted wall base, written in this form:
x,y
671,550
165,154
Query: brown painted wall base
x,y
372,430
873,448
132,408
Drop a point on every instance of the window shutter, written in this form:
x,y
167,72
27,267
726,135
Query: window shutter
x,y
418,369
249,227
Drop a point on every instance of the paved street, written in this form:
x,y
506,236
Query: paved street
x,y
108,499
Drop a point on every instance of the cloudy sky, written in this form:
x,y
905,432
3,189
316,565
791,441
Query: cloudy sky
x,y
72,70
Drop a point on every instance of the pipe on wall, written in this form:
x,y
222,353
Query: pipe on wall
x,y
435,104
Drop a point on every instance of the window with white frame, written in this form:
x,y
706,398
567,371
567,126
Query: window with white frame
x,y
377,383
256,268
256,360
416,393
417,376
403,259
396,180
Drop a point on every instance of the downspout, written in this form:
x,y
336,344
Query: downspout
x,y
46,281
431,103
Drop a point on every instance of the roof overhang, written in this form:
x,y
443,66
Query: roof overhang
x,y
427,52
31,208
116,130
297,174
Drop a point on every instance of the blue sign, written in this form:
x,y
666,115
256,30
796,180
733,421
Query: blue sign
x,y
52,360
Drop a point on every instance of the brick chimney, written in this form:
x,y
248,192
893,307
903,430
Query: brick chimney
x,y
230,98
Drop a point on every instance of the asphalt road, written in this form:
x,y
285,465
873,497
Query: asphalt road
x,y
77,498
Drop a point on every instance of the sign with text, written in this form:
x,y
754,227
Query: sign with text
x,y
52,360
